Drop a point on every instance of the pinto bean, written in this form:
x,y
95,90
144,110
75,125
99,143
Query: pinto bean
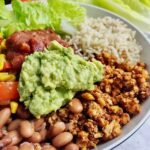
x,y
4,116
9,121
48,147
26,129
35,138
56,129
15,137
75,106
43,134
5,141
62,139
10,148
1,133
22,112
26,146
14,125
38,124
71,146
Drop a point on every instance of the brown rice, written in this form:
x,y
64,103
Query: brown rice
x,y
112,35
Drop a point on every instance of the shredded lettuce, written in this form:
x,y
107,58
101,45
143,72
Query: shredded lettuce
x,y
35,15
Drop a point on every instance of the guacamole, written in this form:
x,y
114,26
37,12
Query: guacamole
x,y
50,79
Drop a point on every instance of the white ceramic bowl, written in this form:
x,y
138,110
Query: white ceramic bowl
x,y
138,120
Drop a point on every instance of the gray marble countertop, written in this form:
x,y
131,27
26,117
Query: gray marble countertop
x,y
138,141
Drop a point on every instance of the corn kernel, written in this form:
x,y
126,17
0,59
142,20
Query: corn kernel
x,y
1,35
4,76
101,101
116,109
3,44
13,107
2,61
88,96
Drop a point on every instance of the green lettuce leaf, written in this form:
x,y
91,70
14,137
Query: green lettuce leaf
x,y
138,7
2,6
73,14
4,12
35,15
146,2
83,1
68,10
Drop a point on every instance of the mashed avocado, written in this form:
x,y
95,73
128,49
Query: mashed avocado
x,y
50,79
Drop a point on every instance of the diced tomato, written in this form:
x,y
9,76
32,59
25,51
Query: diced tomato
x,y
4,103
8,91
7,66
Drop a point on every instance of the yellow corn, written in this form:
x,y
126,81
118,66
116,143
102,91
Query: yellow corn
x,y
13,107
3,44
2,61
4,76
1,35
88,96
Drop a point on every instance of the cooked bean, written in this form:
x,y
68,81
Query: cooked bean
x,y
26,129
48,147
9,121
35,138
26,146
43,134
4,116
14,125
1,133
71,146
37,146
68,126
75,106
22,112
5,141
56,129
15,137
62,139
38,124
10,148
